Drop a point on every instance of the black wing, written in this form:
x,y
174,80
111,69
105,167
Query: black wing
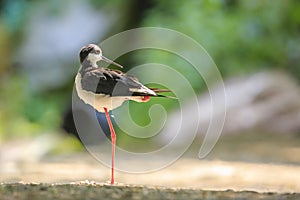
x,y
113,83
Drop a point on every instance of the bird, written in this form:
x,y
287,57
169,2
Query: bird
x,y
106,89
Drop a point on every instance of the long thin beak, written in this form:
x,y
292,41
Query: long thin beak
x,y
111,62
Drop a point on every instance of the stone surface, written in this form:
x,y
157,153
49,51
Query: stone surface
x,y
188,173
266,102
91,190
248,162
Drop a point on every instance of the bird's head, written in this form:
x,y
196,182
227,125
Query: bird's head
x,y
92,53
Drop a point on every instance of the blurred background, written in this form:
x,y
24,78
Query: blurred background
x,y
255,45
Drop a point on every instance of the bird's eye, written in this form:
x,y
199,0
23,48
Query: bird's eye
x,y
97,51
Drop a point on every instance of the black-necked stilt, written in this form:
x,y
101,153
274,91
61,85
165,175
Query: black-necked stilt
x,y
105,89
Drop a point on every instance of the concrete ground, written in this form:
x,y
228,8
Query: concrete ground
x,y
265,166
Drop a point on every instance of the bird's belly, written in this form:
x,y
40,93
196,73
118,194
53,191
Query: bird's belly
x,y
101,101
98,101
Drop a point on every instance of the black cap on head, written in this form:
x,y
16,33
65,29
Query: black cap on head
x,y
84,52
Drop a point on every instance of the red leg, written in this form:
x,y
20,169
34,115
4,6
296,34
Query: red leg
x,y
113,145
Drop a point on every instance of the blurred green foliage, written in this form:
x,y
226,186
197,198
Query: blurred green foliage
x,y
241,37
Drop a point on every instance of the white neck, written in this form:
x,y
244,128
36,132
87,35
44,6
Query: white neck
x,y
92,59
89,63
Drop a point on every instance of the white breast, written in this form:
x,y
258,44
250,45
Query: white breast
x,y
98,101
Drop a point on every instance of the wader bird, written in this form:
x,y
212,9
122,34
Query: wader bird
x,y
106,89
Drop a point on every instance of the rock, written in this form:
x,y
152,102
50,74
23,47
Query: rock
x,y
86,190
266,102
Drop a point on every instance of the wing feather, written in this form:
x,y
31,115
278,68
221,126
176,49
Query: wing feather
x,y
113,83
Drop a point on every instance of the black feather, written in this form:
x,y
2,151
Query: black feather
x,y
85,52
110,82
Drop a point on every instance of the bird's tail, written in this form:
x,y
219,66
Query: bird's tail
x,y
158,90
164,96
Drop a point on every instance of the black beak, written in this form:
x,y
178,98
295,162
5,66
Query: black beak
x,y
111,62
